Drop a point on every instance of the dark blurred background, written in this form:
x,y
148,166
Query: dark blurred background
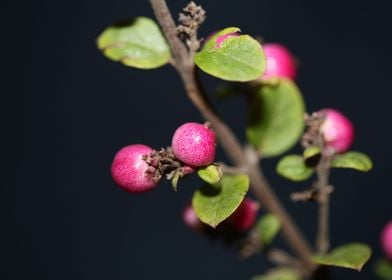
x,y
66,110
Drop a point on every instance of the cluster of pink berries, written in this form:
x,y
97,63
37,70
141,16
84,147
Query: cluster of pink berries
x,y
193,145
242,220
337,129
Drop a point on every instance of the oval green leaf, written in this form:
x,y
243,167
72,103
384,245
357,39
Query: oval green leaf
x,y
238,58
280,273
213,204
312,156
354,160
268,227
276,118
353,255
293,167
138,43
211,174
383,269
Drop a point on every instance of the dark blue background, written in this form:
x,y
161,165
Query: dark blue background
x,y
66,110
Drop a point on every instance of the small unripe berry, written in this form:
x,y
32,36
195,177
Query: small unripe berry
x,y
386,240
245,216
129,169
190,218
337,130
280,62
194,144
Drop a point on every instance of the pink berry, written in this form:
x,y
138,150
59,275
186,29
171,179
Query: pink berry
x,y
190,218
194,144
386,240
129,169
337,130
245,216
280,62
220,39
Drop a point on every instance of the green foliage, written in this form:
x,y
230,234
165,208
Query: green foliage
x,y
293,167
268,227
353,255
383,269
211,174
276,118
238,58
280,273
354,160
312,155
213,204
138,43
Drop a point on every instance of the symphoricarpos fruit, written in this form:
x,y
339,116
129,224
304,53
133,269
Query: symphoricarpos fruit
x,y
245,216
194,144
337,130
280,62
190,218
129,170
386,240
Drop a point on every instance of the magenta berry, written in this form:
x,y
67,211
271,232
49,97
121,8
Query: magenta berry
x,y
280,62
194,144
129,169
337,130
190,218
245,216
386,240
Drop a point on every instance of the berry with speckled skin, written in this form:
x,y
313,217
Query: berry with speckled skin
x,y
245,216
129,169
386,240
337,130
280,62
190,218
194,144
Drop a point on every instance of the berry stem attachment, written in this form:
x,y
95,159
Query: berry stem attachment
x,y
183,63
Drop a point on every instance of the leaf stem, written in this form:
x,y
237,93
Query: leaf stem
x,y
183,62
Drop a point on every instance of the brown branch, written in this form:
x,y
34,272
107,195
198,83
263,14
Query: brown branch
x,y
324,190
184,64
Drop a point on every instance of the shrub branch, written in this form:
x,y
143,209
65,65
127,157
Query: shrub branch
x,y
183,62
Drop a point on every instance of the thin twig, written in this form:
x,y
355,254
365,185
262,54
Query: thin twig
x,y
323,194
280,257
186,69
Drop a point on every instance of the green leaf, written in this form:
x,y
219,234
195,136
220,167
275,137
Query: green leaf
x,y
383,269
237,58
213,204
174,180
312,156
276,118
211,174
138,43
268,227
354,160
353,255
293,167
281,273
